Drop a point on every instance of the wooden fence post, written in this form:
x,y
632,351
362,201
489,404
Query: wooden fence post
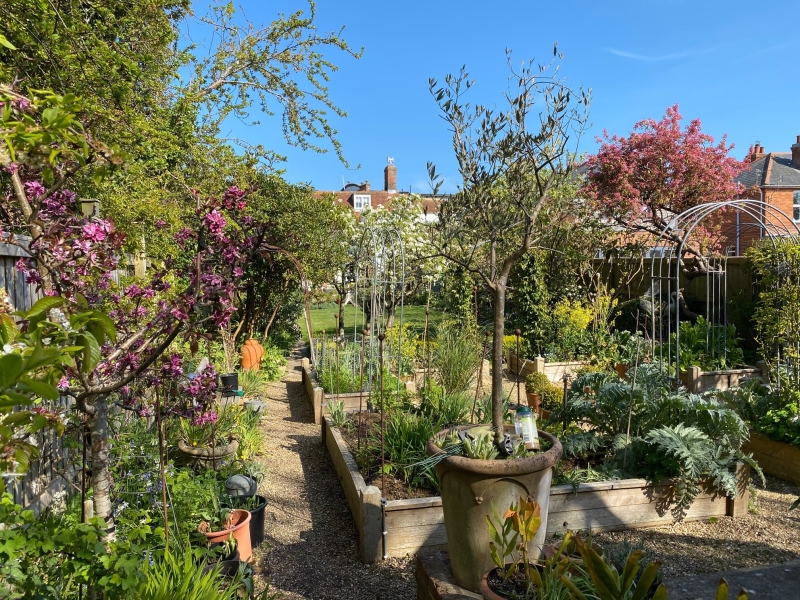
x,y
371,525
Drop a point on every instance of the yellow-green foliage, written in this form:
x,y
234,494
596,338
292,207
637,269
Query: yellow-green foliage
x,y
406,342
570,314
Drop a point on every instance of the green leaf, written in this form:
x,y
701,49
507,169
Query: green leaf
x,y
91,353
8,329
13,399
645,581
10,369
39,357
4,42
573,589
722,590
630,570
45,390
42,305
661,593
106,324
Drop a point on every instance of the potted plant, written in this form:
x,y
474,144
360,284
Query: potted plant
x,y
516,167
543,395
471,485
515,574
256,506
207,440
219,525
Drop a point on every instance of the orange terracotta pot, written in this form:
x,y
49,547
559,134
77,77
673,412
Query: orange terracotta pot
x,y
240,527
252,353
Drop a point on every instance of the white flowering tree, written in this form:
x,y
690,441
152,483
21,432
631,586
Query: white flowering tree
x,y
406,215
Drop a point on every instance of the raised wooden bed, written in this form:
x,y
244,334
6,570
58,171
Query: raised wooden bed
x,y
698,381
417,524
778,459
554,371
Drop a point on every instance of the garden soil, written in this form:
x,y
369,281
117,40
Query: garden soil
x,y
311,547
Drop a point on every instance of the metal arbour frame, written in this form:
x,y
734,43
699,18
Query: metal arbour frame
x,y
379,274
665,272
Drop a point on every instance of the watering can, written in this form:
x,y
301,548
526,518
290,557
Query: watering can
x,y
241,485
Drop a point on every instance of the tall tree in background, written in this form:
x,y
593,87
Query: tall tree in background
x,y
164,104
510,161
641,182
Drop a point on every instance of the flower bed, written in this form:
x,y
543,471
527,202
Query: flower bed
x,y
698,381
418,524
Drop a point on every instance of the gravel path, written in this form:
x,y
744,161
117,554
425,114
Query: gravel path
x,y
768,534
311,548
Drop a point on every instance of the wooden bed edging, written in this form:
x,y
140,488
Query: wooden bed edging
x,y
778,459
554,371
319,399
418,524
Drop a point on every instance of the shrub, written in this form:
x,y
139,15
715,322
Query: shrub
x,y
538,383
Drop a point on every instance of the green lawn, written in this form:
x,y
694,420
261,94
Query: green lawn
x,y
323,319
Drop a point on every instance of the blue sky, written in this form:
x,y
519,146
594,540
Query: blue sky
x,y
732,64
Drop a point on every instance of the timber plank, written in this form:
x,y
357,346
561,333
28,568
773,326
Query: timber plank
x,y
412,518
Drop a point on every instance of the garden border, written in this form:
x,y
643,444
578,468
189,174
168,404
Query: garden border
x,y
778,459
554,371
698,381
418,524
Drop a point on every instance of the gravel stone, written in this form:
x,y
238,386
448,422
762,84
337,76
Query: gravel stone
x,y
768,534
311,546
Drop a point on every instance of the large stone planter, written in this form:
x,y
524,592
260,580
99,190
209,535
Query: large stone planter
x,y
470,488
207,457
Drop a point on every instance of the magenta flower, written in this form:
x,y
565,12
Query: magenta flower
x,y
95,232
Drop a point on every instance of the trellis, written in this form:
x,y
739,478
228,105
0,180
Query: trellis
x,y
666,302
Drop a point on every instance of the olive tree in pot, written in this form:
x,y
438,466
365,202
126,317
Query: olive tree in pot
x,y
515,166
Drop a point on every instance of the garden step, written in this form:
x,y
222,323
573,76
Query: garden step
x,y
769,582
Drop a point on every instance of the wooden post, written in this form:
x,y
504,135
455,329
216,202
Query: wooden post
x,y
737,507
371,525
693,378
538,364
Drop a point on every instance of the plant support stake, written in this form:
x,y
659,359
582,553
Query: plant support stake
x,y
161,469
361,388
479,383
382,337
517,332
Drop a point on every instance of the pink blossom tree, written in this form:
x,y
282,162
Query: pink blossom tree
x,y
641,181
121,331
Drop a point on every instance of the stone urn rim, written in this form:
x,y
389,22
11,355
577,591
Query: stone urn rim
x,y
206,451
499,467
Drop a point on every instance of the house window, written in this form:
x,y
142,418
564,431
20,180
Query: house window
x,y
797,206
360,202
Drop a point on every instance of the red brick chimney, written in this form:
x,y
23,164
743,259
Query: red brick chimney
x,y
796,153
758,152
366,185
390,176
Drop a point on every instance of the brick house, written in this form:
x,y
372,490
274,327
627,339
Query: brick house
x,y
773,178
361,195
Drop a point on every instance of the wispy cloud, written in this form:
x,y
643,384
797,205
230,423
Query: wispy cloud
x,y
644,57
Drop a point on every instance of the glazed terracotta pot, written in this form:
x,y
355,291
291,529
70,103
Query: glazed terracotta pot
x,y
469,487
252,353
240,528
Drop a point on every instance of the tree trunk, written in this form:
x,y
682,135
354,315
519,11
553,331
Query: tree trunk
x,y
101,476
497,359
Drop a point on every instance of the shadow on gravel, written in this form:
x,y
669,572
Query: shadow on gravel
x,y
325,564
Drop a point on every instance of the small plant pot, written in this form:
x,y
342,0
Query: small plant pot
x,y
206,457
487,592
240,527
621,369
534,401
256,518
252,352
229,382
